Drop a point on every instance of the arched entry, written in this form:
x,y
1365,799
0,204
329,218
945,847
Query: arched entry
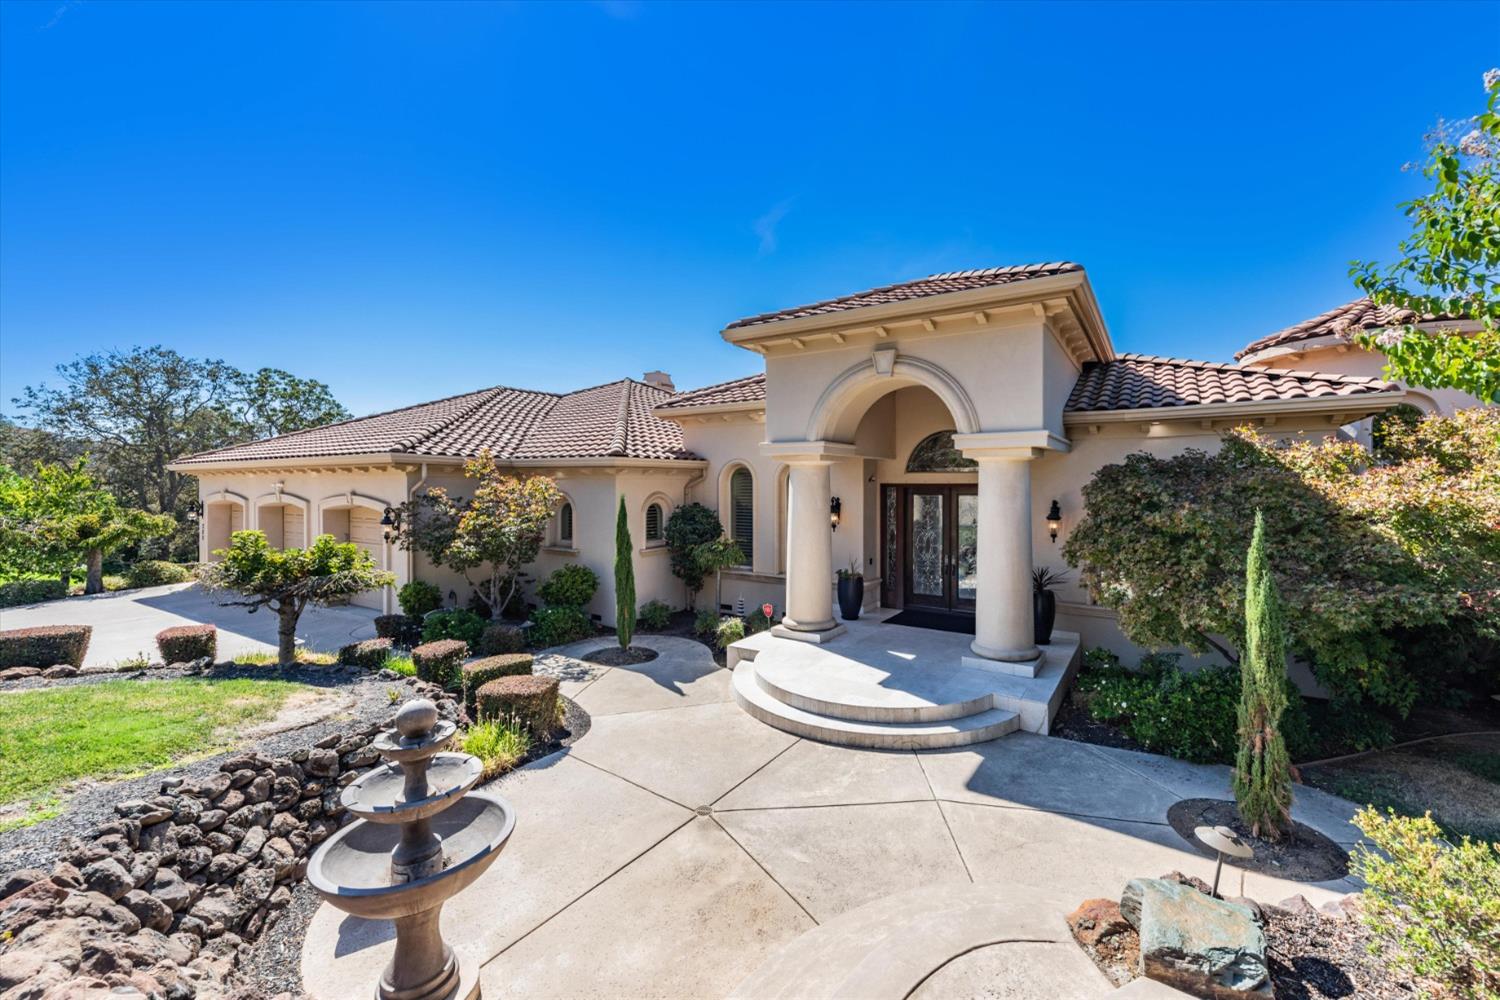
x,y
350,517
284,519
223,515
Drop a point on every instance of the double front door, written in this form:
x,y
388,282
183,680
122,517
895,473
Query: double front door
x,y
941,528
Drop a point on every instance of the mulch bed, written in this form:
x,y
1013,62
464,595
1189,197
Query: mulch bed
x,y
1315,955
1303,855
614,656
1073,722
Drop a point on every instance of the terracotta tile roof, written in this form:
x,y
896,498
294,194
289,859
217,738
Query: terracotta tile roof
x,y
1138,381
1361,314
937,284
750,389
606,421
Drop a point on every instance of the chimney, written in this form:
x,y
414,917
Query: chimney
x,y
660,379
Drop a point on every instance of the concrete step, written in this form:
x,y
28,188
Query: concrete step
x,y
760,703
863,699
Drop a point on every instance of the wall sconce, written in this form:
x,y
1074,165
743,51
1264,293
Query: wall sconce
x,y
195,510
1054,520
391,522
835,512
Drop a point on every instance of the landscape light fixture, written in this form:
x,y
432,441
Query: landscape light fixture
x,y
835,510
1222,840
1054,520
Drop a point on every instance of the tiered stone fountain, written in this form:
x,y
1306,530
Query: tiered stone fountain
x,y
418,841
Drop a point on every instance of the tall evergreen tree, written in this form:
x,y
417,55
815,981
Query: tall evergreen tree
x,y
624,579
1262,767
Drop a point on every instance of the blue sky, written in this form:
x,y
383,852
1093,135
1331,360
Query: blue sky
x,y
408,201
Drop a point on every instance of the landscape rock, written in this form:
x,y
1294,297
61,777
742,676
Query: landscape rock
x,y
59,671
149,910
18,673
13,882
1190,941
108,877
1107,937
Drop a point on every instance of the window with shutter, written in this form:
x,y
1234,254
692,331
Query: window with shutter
x,y
565,523
653,523
742,512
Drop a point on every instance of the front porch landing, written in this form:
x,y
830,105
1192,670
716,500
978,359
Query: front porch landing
x,y
895,687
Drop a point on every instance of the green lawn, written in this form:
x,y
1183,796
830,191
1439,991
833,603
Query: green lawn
x,y
50,738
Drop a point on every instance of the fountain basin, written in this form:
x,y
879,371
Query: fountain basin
x,y
352,870
377,796
397,748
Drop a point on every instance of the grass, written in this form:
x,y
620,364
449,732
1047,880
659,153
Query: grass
x,y
50,738
498,745
305,656
403,665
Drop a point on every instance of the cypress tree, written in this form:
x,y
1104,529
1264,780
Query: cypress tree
x,y
624,579
1262,767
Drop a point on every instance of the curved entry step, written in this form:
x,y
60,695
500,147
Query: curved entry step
x,y
939,940
977,727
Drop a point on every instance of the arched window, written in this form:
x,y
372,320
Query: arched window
x,y
653,523
935,453
565,524
742,512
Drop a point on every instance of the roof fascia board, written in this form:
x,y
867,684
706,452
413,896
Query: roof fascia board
x,y
1366,402
676,412
316,461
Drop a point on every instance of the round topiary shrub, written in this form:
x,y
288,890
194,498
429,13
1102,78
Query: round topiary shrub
x,y
183,643
419,597
654,616
528,700
480,672
556,626
439,661
464,626
370,654
571,586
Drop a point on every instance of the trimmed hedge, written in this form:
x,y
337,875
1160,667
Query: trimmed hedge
x,y
18,592
439,661
529,700
370,654
45,645
182,643
155,573
403,630
481,672
500,639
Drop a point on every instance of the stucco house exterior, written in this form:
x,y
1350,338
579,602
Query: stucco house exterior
x,y
921,432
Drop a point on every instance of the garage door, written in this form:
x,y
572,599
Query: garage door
x,y
364,531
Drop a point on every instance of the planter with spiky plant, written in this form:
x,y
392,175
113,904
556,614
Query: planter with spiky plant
x,y
1262,767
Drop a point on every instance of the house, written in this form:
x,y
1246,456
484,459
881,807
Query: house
x,y
936,434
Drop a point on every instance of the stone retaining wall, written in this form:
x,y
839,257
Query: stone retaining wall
x,y
163,901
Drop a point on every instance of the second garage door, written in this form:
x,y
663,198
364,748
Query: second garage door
x,y
364,531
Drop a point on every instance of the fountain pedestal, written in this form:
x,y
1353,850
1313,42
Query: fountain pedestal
x,y
419,840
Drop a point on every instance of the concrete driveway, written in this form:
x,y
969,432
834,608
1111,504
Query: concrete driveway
x,y
681,844
125,623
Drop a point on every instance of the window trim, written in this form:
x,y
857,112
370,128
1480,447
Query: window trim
x,y
566,540
730,510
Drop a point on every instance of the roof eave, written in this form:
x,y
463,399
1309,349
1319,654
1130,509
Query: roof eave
x,y
315,461
672,413
1356,407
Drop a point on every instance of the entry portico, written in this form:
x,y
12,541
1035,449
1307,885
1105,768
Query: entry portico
x,y
1001,357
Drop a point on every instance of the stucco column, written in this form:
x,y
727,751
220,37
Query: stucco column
x,y
809,556
1003,628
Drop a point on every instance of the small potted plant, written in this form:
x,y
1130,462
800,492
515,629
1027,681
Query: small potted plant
x,y
851,591
1044,601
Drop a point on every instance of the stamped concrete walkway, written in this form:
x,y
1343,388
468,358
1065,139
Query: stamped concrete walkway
x,y
681,844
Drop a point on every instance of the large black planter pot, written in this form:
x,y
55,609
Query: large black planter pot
x,y
851,597
1043,614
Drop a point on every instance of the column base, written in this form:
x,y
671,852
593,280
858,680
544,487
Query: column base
x,y
825,632
1011,668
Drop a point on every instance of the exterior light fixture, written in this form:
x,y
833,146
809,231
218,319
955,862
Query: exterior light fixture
x,y
391,522
1224,842
1054,520
194,510
835,511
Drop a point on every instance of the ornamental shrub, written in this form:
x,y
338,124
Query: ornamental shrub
x,y
1262,767
44,645
156,573
654,616
706,623
465,626
183,643
498,639
1433,904
624,579
478,673
527,700
19,592
370,653
439,661
403,630
730,630
419,597
558,626
689,527
570,586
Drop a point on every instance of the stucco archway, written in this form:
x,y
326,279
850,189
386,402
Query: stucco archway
x,y
837,413
224,513
350,517
284,518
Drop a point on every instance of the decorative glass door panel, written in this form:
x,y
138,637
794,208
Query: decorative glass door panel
x,y
928,560
966,549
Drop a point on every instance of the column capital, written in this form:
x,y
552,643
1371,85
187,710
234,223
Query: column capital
x,y
808,452
1009,445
